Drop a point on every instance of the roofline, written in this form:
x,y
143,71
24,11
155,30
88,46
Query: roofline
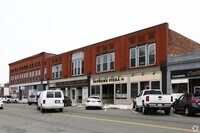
x,y
97,43
30,57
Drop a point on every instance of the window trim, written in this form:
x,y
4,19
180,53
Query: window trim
x,y
108,62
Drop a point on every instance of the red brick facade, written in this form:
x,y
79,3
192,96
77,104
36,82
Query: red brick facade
x,y
179,44
167,42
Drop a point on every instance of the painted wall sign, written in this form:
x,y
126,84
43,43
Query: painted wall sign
x,y
185,73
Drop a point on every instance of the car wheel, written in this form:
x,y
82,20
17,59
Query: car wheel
x,y
144,110
60,110
29,103
167,111
175,110
38,108
188,112
42,110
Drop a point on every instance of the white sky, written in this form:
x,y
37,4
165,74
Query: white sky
x,y
28,27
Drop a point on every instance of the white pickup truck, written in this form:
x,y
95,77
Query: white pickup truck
x,y
153,100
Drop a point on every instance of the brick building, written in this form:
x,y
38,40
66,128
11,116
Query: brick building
x,y
116,69
26,75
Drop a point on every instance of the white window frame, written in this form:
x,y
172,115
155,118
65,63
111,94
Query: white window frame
x,y
145,55
136,57
77,61
108,61
154,47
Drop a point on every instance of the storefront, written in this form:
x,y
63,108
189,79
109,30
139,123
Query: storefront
x,y
183,73
186,81
122,88
23,91
112,89
76,88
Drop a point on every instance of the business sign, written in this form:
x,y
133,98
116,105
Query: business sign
x,y
185,73
108,80
73,83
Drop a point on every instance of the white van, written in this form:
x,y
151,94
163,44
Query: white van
x,y
50,99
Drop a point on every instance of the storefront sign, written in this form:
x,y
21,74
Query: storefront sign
x,y
185,73
72,83
108,80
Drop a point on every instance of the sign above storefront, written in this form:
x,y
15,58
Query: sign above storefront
x,y
109,80
185,73
72,83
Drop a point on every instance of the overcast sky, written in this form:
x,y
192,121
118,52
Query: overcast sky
x,y
28,27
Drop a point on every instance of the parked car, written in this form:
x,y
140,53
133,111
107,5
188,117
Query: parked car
x,y
176,96
93,101
9,99
1,104
50,99
153,100
188,103
32,99
67,101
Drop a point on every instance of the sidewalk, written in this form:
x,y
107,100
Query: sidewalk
x,y
107,106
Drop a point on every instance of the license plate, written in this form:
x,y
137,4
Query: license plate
x,y
57,101
159,105
198,104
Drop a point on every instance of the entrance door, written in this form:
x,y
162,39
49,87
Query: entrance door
x,y
108,93
197,89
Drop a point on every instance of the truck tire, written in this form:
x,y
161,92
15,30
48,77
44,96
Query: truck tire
x,y
144,110
60,110
135,106
167,111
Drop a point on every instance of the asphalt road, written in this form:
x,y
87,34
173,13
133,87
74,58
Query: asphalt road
x,y
22,118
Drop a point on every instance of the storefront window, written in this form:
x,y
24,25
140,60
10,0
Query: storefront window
x,y
134,90
144,85
95,90
155,84
121,91
180,88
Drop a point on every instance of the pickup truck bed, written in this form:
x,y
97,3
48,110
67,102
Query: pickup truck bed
x,y
153,100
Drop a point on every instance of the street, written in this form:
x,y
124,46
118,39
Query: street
x,y
22,118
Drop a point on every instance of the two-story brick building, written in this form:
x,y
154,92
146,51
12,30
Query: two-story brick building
x,y
116,69
26,75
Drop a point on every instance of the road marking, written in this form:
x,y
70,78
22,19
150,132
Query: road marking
x,y
134,111
176,115
128,123
120,122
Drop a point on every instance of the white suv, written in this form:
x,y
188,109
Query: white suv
x,y
50,99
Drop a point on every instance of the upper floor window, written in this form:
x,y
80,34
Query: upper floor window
x,y
133,55
105,62
151,53
78,64
57,71
143,55
45,73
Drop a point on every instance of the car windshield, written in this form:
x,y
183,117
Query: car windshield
x,y
32,96
152,92
196,96
94,97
